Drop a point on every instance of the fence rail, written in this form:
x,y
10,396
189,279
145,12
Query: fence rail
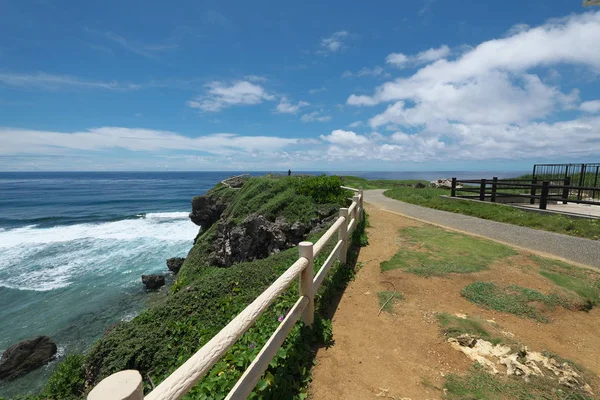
x,y
559,190
127,385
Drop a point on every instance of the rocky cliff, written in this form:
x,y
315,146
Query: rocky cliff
x,y
234,235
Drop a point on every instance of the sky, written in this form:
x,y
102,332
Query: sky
x,y
312,85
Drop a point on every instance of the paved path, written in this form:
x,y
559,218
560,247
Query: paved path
x,y
579,250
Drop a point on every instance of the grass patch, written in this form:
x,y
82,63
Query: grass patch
x,y
585,283
437,252
479,384
384,298
367,184
430,197
513,299
453,326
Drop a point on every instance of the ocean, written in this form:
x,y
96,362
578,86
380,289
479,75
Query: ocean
x,y
73,246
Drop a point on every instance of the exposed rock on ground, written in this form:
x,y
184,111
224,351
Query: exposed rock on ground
x,y
235,182
522,363
153,281
26,356
443,183
419,185
174,264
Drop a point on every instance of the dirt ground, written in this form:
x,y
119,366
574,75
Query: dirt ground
x,y
403,355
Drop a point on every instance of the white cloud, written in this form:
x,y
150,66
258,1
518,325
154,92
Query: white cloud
x,y
498,100
345,138
46,81
375,72
221,95
23,141
286,107
397,59
401,60
315,116
333,43
355,124
590,106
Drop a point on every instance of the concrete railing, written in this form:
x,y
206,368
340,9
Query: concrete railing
x,y
127,385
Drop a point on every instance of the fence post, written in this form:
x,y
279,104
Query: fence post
x,y
494,188
123,385
565,193
305,249
533,189
544,197
355,198
453,189
361,211
482,190
343,235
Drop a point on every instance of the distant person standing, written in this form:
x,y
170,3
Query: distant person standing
x,y
289,172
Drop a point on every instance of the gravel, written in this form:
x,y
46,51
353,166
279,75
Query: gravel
x,y
579,250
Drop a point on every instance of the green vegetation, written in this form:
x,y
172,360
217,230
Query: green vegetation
x,y
366,184
479,384
437,252
295,198
301,198
206,298
387,299
430,197
585,283
453,326
517,300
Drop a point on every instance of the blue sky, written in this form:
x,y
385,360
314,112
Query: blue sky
x,y
335,85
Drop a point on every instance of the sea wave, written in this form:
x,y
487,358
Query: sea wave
x,y
171,226
44,259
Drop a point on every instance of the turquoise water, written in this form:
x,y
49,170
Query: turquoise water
x,y
73,247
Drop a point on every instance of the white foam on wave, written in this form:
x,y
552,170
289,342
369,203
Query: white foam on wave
x,y
172,226
44,259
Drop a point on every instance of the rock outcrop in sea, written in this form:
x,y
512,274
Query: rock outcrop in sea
x,y
174,264
153,281
26,356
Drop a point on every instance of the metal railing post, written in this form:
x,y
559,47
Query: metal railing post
x,y
494,188
581,181
305,249
343,235
482,190
544,197
565,193
533,189
453,189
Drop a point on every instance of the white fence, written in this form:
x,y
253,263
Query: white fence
x,y
127,385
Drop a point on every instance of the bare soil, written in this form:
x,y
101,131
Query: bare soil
x,y
404,355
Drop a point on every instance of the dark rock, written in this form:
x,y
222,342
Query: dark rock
x,y
206,210
419,185
26,356
255,238
174,264
153,281
466,340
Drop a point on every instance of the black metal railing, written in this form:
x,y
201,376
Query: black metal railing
x,y
582,174
542,191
